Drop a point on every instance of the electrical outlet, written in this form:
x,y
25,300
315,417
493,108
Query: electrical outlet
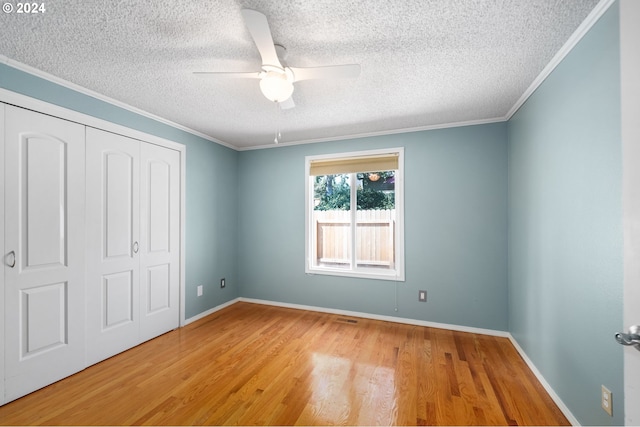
x,y
223,282
422,296
200,290
606,400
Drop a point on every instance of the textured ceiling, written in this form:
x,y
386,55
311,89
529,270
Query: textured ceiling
x,y
424,62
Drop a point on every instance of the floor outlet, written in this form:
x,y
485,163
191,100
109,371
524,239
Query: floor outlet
x,y
200,290
223,283
607,402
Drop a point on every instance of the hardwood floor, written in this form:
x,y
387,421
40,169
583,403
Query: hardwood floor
x,y
251,364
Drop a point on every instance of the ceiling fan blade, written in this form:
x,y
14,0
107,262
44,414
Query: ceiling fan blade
x,y
350,71
287,103
254,75
258,26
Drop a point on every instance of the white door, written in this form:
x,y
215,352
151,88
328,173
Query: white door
x,y
630,109
159,240
44,250
2,400
112,244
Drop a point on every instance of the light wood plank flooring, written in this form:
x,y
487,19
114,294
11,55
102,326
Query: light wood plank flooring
x,y
252,364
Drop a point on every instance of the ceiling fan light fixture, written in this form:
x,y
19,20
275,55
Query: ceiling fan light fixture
x,y
276,86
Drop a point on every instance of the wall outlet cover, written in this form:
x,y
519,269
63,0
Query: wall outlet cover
x,y
223,282
422,296
607,400
200,290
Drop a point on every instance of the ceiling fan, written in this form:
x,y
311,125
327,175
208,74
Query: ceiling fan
x,y
276,79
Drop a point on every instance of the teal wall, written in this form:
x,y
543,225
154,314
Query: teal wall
x,y
565,226
211,189
455,221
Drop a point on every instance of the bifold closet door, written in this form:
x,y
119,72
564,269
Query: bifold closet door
x,y
112,244
43,250
133,242
159,240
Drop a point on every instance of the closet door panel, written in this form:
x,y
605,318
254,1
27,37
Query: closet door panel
x,y
160,245
118,182
44,171
158,192
117,293
112,244
44,250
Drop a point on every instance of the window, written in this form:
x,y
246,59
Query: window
x,y
354,214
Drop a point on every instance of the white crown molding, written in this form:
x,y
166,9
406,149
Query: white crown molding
x,y
77,88
575,38
378,133
29,103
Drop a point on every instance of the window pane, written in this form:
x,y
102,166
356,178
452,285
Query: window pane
x,y
331,221
375,220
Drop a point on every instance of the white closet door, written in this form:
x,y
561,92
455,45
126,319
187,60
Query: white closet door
x,y
159,240
112,244
44,250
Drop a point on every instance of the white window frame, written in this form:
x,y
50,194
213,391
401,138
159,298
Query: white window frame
x,y
396,274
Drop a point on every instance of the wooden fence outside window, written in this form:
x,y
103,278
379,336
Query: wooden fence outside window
x,y
375,238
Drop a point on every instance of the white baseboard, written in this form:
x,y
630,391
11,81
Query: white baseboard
x,y
565,410
554,396
380,317
210,311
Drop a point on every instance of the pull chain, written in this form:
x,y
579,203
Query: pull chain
x,y
278,136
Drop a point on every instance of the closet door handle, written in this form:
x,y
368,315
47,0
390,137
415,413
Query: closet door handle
x,y
11,255
135,247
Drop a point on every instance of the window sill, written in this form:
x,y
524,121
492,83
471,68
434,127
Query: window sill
x,y
393,276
